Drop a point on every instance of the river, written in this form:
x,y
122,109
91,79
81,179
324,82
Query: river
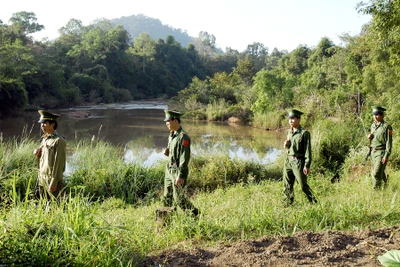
x,y
139,127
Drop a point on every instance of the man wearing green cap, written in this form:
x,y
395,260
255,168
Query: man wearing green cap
x,y
381,146
52,157
177,170
298,161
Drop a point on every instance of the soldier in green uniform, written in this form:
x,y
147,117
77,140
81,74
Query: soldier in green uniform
x,y
52,157
298,161
381,146
176,173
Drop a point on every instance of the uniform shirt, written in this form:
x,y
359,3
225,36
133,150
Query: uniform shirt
x,y
52,160
179,151
382,137
300,145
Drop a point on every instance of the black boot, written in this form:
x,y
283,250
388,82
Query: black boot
x,y
312,200
195,212
288,202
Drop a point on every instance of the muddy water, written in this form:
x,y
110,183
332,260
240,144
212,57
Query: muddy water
x,y
140,128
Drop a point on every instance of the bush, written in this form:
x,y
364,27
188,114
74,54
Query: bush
x,y
331,143
270,121
101,171
208,174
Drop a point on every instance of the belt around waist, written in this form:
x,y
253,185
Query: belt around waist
x,y
379,148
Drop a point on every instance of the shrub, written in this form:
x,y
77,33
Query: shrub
x,y
331,143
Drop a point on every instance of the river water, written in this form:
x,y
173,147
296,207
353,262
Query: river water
x,y
140,128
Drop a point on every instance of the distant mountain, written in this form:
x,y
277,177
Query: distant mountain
x,y
135,25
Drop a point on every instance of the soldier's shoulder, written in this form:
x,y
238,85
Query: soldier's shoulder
x,y
57,135
388,125
185,135
305,133
304,130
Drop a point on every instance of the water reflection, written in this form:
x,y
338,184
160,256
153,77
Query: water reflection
x,y
140,129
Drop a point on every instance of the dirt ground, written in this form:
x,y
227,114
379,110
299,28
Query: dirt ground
x,y
330,248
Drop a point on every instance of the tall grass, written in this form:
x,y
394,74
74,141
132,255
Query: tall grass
x,y
18,167
98,168
107,216
271,120
78,231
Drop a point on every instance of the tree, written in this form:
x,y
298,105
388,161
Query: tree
x,y
73,27
144,47
295,63
245,70
258,53
205,44
386,22
272,61
270,92
16,60
13,97
324,50
26,22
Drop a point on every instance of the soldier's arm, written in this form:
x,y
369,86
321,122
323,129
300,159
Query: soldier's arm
x,y
307,154
59,164
389,140
184,157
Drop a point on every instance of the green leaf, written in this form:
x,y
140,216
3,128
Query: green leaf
x,y
390,258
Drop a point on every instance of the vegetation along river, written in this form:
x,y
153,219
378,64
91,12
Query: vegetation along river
x,y
140,128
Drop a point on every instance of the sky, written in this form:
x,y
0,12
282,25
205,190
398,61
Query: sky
x,y
281,24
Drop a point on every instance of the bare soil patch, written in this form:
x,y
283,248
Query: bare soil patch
x,y
330,248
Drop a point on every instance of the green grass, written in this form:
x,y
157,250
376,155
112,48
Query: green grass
x,y
108,216
83,232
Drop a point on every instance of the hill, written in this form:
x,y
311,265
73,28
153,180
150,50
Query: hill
x,y
137,24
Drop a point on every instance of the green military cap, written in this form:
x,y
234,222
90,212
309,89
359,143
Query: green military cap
x,y
172,114
378,110
294,113
47,116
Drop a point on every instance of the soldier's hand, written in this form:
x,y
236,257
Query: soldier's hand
x,y
166,151
37,152
179,181
53,188
370,136
306,171
286,143
384,160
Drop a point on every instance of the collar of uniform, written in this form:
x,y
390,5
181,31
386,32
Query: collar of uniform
x,y
178,131
52,135
298,130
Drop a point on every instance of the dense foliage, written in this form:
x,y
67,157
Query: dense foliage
x,y
95,63
111,61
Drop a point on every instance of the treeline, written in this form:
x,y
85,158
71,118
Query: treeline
x,y
332,81
101,63
97,63
334,85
